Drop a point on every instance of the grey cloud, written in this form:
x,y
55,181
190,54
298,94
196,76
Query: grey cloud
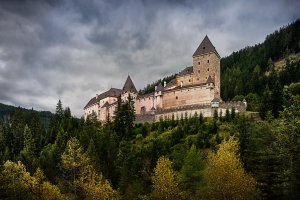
x,y
73,49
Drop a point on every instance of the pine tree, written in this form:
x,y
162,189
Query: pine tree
x,y
59,109
28,152
191,173
129,116
92,153
74,162
124,118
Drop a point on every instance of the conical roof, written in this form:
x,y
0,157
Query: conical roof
x,y
160,87
129,86
209,80
205,47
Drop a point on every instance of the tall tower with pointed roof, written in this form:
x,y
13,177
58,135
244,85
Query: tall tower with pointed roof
x,y
206,65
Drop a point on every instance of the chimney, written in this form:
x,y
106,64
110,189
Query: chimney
x,y
96,96
165,83
155,88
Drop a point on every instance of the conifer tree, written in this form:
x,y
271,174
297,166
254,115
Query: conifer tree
x,y
28,152
59,109
74,162
191,173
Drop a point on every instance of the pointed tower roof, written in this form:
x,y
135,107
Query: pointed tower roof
x,y
160,87
209,80
129,86
205,47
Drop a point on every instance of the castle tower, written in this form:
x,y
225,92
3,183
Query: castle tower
x,y
129,89
206,63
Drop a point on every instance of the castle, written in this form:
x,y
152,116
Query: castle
x,y
196,89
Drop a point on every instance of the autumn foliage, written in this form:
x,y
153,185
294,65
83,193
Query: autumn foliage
x,y
226,177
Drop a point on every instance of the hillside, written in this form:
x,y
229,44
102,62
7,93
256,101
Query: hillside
x,y
8,110
281,64
246,71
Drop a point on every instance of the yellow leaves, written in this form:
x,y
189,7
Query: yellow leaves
x,y
19,183
84,174
225,175
50,192
100,190
164,180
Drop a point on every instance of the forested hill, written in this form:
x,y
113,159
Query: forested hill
x,y
247,71
8,110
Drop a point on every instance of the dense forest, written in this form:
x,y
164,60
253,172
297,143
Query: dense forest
x,y
237,156
253,71
6,111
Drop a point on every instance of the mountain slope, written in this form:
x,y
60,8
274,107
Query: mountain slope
x,y
244,72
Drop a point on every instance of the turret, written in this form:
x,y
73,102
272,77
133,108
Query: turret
x,y
206,63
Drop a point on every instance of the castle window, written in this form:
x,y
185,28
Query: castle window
x,y
207,61
197,79
198,63
176,97
203,47
208,69
199,71
189,80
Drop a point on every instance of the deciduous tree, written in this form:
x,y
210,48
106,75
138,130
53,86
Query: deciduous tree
x,y
226,178
165,181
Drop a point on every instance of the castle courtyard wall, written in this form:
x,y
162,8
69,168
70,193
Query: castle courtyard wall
x,y
187,96
186,80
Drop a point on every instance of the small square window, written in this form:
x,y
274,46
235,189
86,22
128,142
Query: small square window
x,y
198,63
176,97
189,80
207,61
208,69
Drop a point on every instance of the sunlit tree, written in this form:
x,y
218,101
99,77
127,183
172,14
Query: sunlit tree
x,y
225,175
165,183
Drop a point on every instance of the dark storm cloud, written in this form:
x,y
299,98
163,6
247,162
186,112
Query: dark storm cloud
x,y
73,49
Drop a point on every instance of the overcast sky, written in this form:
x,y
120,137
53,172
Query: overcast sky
x,y
74,49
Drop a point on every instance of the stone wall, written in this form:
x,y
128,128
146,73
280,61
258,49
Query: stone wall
x,y
187,96
205,109
186,80
205,66
237,105
146,102
145,118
